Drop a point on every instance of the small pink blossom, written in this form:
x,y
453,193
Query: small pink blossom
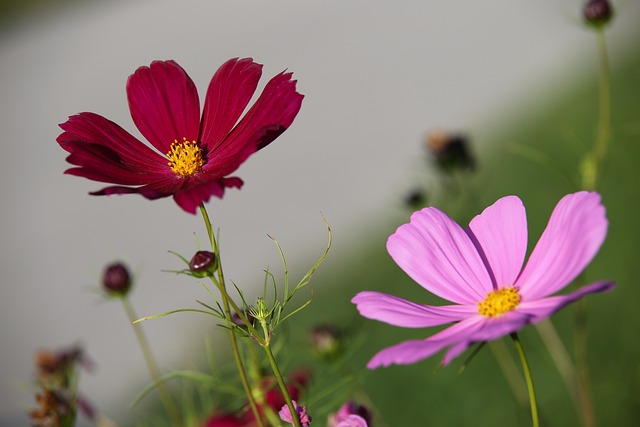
x,y
350,415
303,416
480,269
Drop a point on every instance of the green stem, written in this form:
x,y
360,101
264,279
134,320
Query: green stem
x,y
165,396
282,384
227,311
528,378
560,357
583,377
592,176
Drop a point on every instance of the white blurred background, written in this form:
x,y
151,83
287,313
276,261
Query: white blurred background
x,y
376,75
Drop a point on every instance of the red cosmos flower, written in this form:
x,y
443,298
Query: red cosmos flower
x,y
194,154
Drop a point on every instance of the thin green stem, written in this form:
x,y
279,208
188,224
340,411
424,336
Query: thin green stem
x,y
227,312
592,173
583,378
165,396
528,379
282,385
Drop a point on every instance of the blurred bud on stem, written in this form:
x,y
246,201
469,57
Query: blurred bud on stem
x,y
326,341
116,279
450,151
597,12
203,263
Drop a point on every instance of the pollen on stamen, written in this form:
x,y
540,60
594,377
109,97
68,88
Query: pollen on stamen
x,y
499,302
185,158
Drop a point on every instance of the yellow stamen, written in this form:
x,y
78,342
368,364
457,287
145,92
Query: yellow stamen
x,y
185,158
499,302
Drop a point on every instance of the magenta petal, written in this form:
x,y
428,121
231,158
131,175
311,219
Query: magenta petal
x,y
438,254
230,90
164,104
106,152
492,329
399,312
542,308
271,115
413,351
191,198
574,234
500,234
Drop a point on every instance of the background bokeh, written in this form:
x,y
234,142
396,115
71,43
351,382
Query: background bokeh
x,y
376,75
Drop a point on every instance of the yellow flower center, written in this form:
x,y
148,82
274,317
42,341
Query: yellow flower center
x,y
499,302
185,158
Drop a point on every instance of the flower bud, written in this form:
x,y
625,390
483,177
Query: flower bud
x,y
235,318
203,263
116,279
326,340
450,151
597,12
416,199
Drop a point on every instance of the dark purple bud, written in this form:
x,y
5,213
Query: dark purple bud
x,y
415,199
203,262
597,12
235,318
116,279
326,340
450,151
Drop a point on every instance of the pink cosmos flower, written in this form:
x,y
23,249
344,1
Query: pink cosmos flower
x,y
480,270
195,154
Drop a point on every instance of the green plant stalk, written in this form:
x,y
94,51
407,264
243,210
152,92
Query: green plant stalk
x,y
281,383
603,137
227,312
165,396
528,379
590,182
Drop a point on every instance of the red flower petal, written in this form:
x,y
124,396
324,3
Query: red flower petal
x,y
106,152
190,198
230,90
271,115
164,104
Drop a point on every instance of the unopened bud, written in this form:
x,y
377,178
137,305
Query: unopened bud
x,y
235,318
204,263
116,279
450,151
326,340
416,199
597,12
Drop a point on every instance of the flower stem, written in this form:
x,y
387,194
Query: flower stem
x,y
592,173
528,378
227,312
165,396
282,384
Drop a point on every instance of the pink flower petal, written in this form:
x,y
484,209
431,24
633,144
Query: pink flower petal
x,y
191,198
542,308
353,421
500,235
492,329
399,312
574,234
164,104
271,115
438,254
230,90
413,351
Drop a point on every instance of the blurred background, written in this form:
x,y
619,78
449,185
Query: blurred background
x,y
517,78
